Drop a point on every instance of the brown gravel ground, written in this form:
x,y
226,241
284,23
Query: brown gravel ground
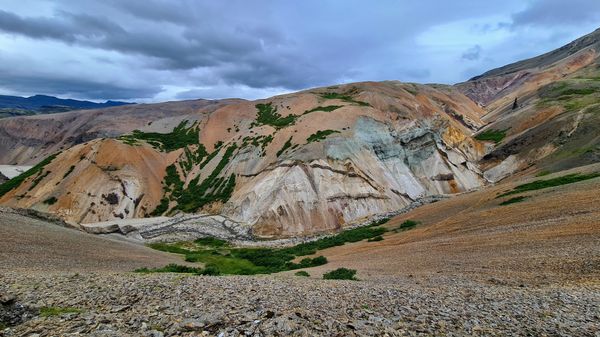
x,y
28,244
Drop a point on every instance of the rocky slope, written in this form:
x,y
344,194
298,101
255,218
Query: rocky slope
x,y
543,109
290,165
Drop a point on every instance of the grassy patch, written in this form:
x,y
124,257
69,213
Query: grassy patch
x,y
541,184
197,194
267,115
57,311
285,146
495,136
211,189
344,97
328,108
375,239
18,180
320,135
211,242
406,225
302,273
225,260
513,201
50,201
179,138
69,171
341,274
543,173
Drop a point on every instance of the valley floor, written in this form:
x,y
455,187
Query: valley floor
x,y
470,268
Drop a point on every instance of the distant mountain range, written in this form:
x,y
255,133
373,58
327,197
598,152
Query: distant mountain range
x,y
42,104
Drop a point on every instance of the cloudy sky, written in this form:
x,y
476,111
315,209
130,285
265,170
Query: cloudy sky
x,y
156,50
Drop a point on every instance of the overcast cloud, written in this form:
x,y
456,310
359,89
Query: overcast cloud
x,y
155,50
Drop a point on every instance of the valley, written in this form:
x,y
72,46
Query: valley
x,y
359,209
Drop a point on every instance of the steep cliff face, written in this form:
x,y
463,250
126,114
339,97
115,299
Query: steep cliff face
x,y
291,165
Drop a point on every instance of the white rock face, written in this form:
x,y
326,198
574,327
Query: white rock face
x,y
11,171
375,171
502,170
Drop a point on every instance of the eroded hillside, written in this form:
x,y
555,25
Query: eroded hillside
x,y
295,164
543,112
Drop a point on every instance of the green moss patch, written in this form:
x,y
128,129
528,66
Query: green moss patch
x,y
225,260
347,97
267,115
341,274
495,136
180,137
320,135
541,184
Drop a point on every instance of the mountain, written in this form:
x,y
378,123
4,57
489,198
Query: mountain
x,y
42,104
309,162
294,164
27,140
541,112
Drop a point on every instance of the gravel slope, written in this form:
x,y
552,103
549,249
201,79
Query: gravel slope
x,y
29,244
162,304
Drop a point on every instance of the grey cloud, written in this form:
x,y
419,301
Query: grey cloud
x,y
68,27
552,13
251,47
75,87
472,54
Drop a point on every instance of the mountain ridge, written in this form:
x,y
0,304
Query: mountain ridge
x,y
316,160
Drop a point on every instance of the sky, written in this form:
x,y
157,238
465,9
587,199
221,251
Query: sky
x,y
158,50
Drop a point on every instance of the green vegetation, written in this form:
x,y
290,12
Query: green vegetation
x,y
344,97
375,239
178,138
572,94
69,171
211,189
380,222
225,260
320,135
50,201
212,242
57,311
261,141
175,268
18,180
38,179
408,224
302,273
541,184
513,201
351,235
341,274
328,108
495,136
267,115
193,157
196,195
285,146
543,173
